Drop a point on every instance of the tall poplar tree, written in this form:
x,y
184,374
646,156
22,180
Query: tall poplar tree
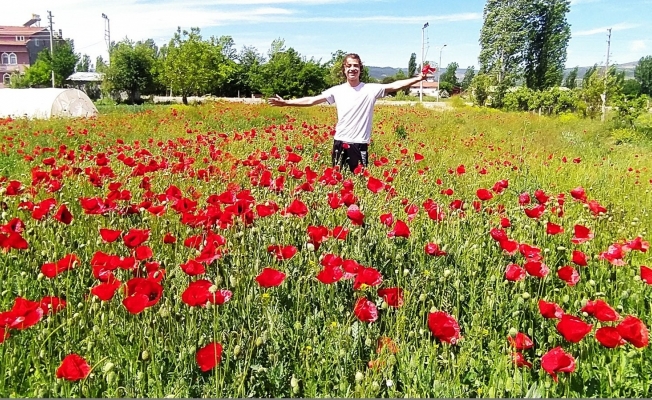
x,y
548,36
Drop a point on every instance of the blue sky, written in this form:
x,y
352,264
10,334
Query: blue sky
x,y
383,32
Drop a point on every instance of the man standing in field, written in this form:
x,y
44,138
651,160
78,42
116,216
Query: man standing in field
x,y
355,102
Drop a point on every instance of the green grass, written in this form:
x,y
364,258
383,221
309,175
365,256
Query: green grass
x,y
302,339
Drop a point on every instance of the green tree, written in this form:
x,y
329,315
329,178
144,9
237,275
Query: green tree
x,y
192,66
287,74
548,36
588,73
100,64
468,77
643,74
631,88
480,88
412,65
84,64
503,38
448,79
249,65
133,68
64,59
571,79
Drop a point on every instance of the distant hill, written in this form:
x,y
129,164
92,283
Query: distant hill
x,y
382,72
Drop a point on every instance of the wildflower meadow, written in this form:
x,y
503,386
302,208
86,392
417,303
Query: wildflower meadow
x,y
212,251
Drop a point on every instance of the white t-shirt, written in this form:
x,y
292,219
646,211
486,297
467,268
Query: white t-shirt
x,y
355,107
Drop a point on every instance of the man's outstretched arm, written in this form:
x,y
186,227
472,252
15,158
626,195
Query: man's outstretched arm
x,y
300,102
403,83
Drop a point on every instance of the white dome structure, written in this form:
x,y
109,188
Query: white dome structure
x,y
45,103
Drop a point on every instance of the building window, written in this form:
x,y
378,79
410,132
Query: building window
x,y
13,60
20,38
6,79
4,59
37,42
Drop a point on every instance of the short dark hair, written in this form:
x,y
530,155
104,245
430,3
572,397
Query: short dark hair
x,y
354,56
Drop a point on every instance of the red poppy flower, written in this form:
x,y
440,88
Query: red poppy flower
x,y
484,194
220,296
367,276
432,249
569,275
340,233
317,234
148,287
532,253
375,185
554,229
265,210
351,268
634,331
514,273
500,186
365,310
330,274
387,219
53,269
520,341
355,215
400,230
444,327
579,258
557,360
520,361
505,222
73,368
135,237
582,234
270,277
637,244
573,328
196,294
509,246
209,356
524,199
24,314
417,157
536,268
601,310
535,212
392,296
63,215
105,291
550,309
541,196
169,238
646,274
297,207
614,255
596,208
193,268
52,304
282,252
579,194
110,235
608,336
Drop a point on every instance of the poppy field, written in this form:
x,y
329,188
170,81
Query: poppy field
x,y
212,251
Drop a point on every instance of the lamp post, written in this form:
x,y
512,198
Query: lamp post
x,y
423,30
439,72
107,34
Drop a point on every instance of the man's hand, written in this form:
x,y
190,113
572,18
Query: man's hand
x,y
277,101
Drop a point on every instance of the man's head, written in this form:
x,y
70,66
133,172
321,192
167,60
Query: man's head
x,y
351,68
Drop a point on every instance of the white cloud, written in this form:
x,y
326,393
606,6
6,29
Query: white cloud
x,y
603,30
637,45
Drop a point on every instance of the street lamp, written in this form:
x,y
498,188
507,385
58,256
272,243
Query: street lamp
x,y
422,59
107,34
439,72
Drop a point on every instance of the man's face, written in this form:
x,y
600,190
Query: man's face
x,y
352,69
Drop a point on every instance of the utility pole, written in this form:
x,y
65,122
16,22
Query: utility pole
x,y
439,72
51,46
107,35
606,72
423,30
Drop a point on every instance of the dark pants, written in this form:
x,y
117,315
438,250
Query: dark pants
x,y
351,153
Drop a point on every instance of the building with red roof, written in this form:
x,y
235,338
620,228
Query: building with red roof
x,y
20,45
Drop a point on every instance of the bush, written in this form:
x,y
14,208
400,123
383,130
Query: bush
x,y
625,135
